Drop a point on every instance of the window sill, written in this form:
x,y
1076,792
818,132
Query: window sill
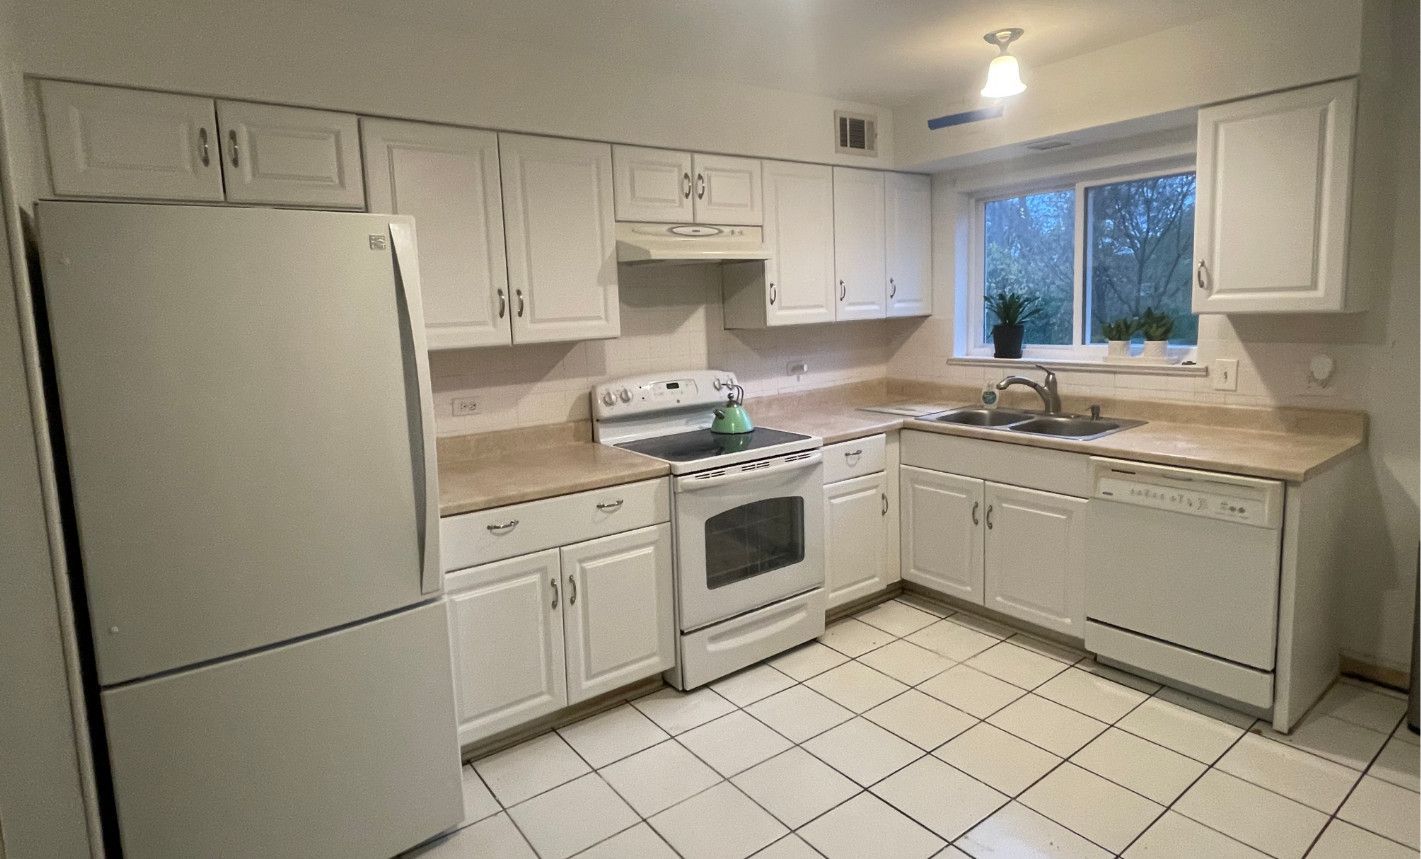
x,y
1098,365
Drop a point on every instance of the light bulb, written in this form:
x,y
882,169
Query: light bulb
x,y
1003,78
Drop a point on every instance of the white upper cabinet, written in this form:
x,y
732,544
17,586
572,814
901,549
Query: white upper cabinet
x,y
560,235
1035,557
653,185
1274,188
941,531
727,190
290,156
907,209
447,179
111,142
859,246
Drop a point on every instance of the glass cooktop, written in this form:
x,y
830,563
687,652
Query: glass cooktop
x,y
704,444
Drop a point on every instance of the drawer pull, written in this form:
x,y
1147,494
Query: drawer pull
x,y
504,528
609,506
851,456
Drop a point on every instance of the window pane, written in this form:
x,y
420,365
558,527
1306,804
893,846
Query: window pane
x,y
1030,241
1139,246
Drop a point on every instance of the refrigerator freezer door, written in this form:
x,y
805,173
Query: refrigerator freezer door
x,y
342,745
245,408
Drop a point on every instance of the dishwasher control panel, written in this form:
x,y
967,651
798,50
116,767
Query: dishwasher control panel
x,y
1231,498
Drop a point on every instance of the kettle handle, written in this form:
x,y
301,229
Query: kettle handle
x,y
737,395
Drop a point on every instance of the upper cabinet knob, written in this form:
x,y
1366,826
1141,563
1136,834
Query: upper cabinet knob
x,y
625,395
607,398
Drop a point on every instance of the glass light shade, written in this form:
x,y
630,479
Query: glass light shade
x,y
1003,78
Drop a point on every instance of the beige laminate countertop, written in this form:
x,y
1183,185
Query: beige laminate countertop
x,y
511,477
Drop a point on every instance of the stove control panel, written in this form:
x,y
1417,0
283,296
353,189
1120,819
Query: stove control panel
x,y
641,395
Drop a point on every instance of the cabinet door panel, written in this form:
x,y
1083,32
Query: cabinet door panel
x,y
652,184
1035,558
506,631
447,179
727,190
855,538
111,142
1274,186
799,232
907,209
859,264
619,618
290,156
562,249
942,532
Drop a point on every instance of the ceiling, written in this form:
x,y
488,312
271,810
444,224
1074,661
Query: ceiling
x,y
884,52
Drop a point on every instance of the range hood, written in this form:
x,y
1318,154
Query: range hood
x,y
688,243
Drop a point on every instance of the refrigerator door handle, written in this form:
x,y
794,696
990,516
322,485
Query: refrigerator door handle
x,y
420,399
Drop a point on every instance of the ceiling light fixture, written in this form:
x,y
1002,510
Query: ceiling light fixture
x,y
1004,74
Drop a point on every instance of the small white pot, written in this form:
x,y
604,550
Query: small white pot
x,y
1155,350
1117,349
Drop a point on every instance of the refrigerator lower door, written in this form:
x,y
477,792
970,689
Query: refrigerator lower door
x,y
342,745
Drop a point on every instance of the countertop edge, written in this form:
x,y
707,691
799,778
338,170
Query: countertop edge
x,y
650,471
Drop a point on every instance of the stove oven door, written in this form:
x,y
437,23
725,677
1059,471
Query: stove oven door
x,y
748,535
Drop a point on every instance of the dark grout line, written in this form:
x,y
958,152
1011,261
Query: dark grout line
x,y
1356,784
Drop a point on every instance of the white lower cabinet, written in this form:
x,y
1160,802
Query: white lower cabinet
x,y
535,633
1017,551
856,538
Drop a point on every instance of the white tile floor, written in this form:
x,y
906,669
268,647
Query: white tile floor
x,y
910,728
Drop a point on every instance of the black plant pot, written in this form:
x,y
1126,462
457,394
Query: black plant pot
x,y
1007,340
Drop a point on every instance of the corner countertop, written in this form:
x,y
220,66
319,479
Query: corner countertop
x,y
499,478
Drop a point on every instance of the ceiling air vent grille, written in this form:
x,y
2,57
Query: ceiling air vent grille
x,y
1047,145
856,133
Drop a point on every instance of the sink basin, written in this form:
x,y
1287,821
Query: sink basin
x,y
1070,426
984,417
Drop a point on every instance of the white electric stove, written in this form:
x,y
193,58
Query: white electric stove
x,y
748,510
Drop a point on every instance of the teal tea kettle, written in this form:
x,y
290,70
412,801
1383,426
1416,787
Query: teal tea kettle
x,y
732,417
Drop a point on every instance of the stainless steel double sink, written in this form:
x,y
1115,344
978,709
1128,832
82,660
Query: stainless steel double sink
x,y
1080,427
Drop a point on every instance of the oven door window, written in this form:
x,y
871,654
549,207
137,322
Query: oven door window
x,y
754,539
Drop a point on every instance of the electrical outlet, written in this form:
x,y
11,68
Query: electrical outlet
x,y
798,368
1223,372
464,406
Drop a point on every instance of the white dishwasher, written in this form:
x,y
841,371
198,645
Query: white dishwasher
x,y
1183,575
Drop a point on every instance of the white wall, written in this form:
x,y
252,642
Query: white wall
x,y
305,53
1262,47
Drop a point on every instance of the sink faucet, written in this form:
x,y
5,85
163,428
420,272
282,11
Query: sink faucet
x,y
1049,395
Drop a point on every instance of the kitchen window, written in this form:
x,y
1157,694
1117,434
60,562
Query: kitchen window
x,y
1089,251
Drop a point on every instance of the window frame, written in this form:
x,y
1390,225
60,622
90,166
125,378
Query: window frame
x,y
1078,349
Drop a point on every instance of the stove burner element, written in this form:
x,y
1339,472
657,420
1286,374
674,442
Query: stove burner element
x,y
704,444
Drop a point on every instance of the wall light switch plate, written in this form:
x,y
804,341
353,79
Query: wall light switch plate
x,y
1223,372
464,406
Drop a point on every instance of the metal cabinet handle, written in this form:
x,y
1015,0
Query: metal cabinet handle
x,y
554,583
232,139
892,288
519,293
843,290
1202,275
884,496
772,293
976,505
686,185
503,528
700,186
606,506
502,303
571,590
204,152
851,454
989,516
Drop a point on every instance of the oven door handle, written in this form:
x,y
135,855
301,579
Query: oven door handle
x,y
694,482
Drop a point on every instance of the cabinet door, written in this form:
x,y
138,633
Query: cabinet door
x,y
1274,186
907,210
447,179
619,621
562,248
942,531
652,185
290,156
727,190
799,232
1035,559
859,264
855,538
110,142
506,631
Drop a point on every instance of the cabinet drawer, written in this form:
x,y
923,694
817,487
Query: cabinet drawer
x,y
490,535
853,458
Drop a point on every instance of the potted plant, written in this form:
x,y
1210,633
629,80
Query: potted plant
x,y
1156,327
1117,336
1012,309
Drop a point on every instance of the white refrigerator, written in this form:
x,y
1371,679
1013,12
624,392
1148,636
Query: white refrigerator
x,y
248,434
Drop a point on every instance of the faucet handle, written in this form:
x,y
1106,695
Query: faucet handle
x,y
1047,370
1095,411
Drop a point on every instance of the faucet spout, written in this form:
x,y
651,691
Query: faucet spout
x,y
1050,395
